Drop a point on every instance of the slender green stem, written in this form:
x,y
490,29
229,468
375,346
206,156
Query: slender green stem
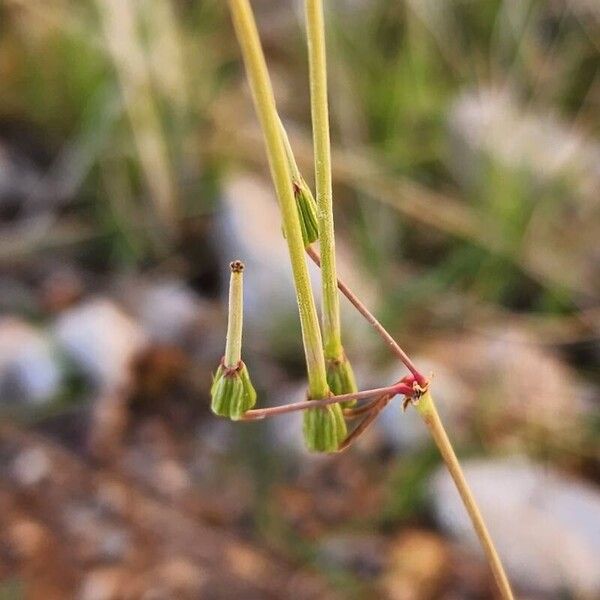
x,y
426,408
233,346
315,29
264,102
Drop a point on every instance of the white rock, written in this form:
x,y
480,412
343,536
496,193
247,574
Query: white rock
x,y
178,577
546,526
166,309
31,466
533,150
364,554
402,431
286,430
114,543
104,583
585,9
539,143
497,366
28,368
101,339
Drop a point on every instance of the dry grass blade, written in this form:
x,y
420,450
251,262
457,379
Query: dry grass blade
x,y
120,21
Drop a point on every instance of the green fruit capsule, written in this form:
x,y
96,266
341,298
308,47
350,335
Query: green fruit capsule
x,y
307,211
305,201
340,378
324,428
249,391
232,392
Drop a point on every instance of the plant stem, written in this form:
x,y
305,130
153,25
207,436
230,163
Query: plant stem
x,y
315,29
264,102
352,413
426,408
379,405
233,345
261,413
293,165
372,320
265,106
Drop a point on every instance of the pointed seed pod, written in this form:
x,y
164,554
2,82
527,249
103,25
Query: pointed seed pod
x,y
340,378
307,211
232,392
305,201
324,428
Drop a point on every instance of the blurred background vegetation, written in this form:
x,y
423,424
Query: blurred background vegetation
x,y
466,148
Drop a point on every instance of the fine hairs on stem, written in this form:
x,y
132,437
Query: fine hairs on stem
x,y
324,423
426,408
233,345
320,121
340,375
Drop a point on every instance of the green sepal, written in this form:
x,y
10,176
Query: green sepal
x,y
232,392
249,391
340,378
324,428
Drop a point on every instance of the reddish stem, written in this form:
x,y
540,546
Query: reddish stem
x,y
362,426
351,413
261,413
370,317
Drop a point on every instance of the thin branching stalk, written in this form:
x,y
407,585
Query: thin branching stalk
x,y
371,415
315,30
264,102
428,412
263,413
357,411
372,320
